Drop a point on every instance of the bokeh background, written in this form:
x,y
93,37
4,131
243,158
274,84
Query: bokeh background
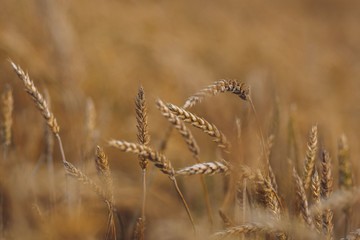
x,y
301,59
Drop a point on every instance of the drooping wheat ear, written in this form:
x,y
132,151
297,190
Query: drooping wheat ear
x,y
226,220
104,172
142,124
208,168
7,106
345,174
267,196
38,98
139,230
182,129
301,200
316,196
245,229
221,86
72,171
157,158
326,188
204,125
310,157
354,235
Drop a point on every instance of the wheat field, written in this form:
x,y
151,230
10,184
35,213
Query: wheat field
x,y
179,120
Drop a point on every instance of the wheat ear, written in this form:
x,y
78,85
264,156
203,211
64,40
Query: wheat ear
x,y
301,200
180,126
208,168
204,125
143,137
316,196
345,174
104,172
310,157
7,106
244,229
326,188
267,195
221,86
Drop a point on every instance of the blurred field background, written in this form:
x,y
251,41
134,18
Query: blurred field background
x,y
299,57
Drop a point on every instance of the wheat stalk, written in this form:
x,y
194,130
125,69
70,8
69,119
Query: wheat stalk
x,y
310,157
204,125
208,168
221,86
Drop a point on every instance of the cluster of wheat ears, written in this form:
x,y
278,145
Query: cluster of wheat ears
x,y
258,199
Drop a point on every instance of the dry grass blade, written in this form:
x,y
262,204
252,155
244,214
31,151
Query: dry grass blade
x,y
301,200
38,98
221,86
355,235
157,158
180,126
103,169
204,125
7,106
326,188
142,124
310,157
208,168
